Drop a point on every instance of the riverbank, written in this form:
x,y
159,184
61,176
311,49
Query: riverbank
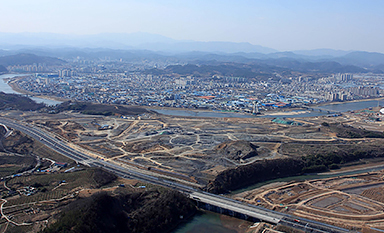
x,y
349,201
355,168
12,82
287,113
350,101
273,184
345,171
275,113
187,112
207,222
200,110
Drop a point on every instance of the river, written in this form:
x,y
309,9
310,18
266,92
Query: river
x,y
202,222
339,107
4,87
309,177
352,106
209,222
194,113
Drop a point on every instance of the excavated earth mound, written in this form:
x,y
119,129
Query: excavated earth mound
x,y
237,150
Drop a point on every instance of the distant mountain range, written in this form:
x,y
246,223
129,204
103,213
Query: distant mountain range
x,y
354,62
3,69
28,59
137,41
28,48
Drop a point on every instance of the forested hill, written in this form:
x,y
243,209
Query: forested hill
x,y
262,69
141,212
3,69
28,59
18,102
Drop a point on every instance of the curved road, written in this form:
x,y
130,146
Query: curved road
x,y
216,200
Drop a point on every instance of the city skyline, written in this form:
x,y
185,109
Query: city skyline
x,y
281,25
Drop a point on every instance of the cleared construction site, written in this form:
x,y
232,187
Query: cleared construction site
x,y
195,150
351,201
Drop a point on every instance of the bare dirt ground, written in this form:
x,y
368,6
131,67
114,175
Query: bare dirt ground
x,y
190,148
347,201
179,146
31,201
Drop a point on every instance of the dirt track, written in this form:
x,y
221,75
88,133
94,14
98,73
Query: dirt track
x,y
348,201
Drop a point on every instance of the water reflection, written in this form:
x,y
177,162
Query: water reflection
x,y
4,87
339,107
208,222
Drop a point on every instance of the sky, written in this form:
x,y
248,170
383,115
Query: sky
x,y
284,25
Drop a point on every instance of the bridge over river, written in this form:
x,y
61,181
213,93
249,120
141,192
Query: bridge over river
x,y
206,200
224,205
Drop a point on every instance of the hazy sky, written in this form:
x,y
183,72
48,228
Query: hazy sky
x,y
279,24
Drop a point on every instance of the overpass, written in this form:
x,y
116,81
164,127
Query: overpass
x,y
218,201
8,133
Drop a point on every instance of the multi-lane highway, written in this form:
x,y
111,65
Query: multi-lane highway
x,y
263,214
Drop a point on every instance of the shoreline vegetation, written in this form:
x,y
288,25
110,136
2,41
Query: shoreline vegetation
x,y
12,82
15,101
306,164
234,178
355,168
315,158
350,101
148,211
342,172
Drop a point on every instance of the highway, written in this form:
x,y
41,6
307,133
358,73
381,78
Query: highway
x,y
261,213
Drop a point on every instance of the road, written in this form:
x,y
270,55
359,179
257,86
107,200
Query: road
x,y
216,200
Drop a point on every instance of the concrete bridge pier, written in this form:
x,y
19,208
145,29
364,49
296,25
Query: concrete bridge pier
x,y
231,213
224,211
